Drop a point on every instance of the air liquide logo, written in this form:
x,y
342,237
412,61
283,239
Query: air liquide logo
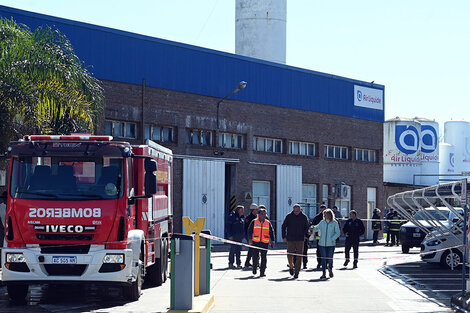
x,y
407,139
359,95
451,160
428,139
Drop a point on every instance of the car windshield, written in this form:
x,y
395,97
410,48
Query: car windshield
x,y
66,178
435,215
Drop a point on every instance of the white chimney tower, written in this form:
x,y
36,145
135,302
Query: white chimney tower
x,y
260,29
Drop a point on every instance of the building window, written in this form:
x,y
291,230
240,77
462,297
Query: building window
x,y
309,199
365,155
324,194
231,141
159,133
261,191
301,148
120,129
199,137
336,152
267,144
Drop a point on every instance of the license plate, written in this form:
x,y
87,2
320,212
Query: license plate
x,y
416,235
64,260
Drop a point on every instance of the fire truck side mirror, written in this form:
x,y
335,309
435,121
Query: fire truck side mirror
x,y
150,184
150,165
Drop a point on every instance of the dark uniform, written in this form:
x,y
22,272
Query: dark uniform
x,y
376,226
250,217
353,230
394,227
261,233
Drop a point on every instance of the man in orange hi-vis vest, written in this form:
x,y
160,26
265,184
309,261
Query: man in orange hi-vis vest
x,y
260,234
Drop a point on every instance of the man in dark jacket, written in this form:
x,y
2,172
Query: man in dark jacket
x,y
353,230
253,214
316,220
236,232
294,228
260,234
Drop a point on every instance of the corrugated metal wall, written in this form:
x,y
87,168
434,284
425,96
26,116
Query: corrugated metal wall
x,y
126,57
204,193
288,192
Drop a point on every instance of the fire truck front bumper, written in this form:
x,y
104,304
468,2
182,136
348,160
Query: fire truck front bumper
x,y
97,265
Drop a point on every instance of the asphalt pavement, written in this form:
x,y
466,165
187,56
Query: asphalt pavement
x,y
369,288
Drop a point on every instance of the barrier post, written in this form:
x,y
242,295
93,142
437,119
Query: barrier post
x,y
205,264
182,272
195,227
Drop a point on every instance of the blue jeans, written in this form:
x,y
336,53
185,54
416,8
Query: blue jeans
x,y
235,252
327,257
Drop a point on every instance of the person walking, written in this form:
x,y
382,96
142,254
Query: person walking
x,y
376,225
317,219
353,229
394,226
388,216
261,234
329,232
236,232
248,219
294,228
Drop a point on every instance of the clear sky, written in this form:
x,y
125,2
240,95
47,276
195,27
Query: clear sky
x,y
418,49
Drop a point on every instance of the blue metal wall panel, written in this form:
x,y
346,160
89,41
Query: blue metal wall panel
x,y
126,57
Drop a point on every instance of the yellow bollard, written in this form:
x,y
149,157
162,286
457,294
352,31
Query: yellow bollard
x,y
197,227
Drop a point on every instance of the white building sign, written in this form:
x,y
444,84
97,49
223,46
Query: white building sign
x,y
368,97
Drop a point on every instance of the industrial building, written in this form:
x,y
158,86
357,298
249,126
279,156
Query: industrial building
x,y
291,135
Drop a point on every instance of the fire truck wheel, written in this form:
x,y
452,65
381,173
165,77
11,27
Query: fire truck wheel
x,y
16,292
164,268
133,291
157,273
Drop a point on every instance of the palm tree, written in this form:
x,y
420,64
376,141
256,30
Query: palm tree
x,y
44,87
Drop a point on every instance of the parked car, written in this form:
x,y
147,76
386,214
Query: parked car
x,y
411,235
446,249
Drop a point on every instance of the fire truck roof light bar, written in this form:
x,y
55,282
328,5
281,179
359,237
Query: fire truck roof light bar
x,y
67,137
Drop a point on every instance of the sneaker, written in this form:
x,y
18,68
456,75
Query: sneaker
x,y
355,265
239,266
330,272
296,276
346,263
323,277
254,270
262,274
291,271
305,266
231,266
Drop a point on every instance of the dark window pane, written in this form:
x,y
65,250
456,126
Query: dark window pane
x,y
167,134
147,131
278,147
118,129
108,130
269,145
130,130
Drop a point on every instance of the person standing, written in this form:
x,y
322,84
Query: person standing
x,y
376,225
317,219
261,234
294,228
353,229
388,216
337,213
248,219
394,224
329,232
236,232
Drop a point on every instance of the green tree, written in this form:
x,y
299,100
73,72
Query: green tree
x,y
44,87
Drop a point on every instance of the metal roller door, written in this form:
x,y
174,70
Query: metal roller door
x,y
204,192
288,192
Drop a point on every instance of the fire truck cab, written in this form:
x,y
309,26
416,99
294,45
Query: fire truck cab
x,y
86,209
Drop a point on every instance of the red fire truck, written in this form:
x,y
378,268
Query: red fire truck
x,y
86,209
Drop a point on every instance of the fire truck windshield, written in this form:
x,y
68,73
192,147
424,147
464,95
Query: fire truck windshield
x,y
67,178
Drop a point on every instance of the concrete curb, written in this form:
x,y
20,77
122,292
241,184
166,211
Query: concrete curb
x,y
201,304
